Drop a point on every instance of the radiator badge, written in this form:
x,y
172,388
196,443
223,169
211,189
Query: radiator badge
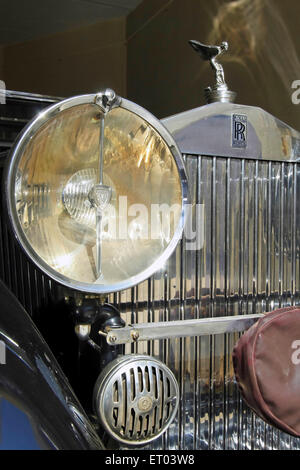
x,y
239,131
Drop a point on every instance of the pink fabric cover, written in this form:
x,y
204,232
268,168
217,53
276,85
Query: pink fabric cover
x,y
267,367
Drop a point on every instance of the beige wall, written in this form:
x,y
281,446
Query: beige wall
x,y
167,77
79,61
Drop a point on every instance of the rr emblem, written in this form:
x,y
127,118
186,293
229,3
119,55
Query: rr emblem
x,y
239,130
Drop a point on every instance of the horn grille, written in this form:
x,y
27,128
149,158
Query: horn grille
x,y
136,398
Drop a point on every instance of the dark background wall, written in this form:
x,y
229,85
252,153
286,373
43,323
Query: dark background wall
x,y
166,76
79,61
146,56
1,62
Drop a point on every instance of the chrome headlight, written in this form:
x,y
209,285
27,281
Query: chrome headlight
x,y
96,192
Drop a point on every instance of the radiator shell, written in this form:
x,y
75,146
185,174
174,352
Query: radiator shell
x,y
249,263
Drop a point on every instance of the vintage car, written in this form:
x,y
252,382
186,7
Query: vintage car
x,y
133,254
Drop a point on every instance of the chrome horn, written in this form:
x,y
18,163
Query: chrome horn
x,y
136,398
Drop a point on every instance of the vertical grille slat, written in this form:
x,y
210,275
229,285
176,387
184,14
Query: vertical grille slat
x,y
297,234
294,231
281,254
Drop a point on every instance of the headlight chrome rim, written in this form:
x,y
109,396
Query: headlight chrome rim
x,y
14,158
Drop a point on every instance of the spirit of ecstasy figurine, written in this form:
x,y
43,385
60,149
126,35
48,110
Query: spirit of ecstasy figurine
x,y
220,91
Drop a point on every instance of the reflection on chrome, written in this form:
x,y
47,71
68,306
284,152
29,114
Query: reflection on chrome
x,y
261,30
62,189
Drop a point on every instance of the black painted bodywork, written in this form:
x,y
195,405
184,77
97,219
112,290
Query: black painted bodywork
x,y
32,381
50,307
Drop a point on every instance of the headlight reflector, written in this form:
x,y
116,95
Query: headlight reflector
x,y
96,193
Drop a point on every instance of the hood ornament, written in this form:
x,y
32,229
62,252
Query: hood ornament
x,y
220,91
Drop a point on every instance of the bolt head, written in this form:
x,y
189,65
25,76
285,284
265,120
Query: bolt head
x,y
112,339
135,335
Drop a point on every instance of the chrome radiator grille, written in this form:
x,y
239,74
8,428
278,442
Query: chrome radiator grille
x,y
249,263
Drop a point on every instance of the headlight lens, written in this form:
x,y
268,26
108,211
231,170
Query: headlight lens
x,y
97,230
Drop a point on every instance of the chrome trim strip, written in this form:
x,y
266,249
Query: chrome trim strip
x,y
21,95
181,329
